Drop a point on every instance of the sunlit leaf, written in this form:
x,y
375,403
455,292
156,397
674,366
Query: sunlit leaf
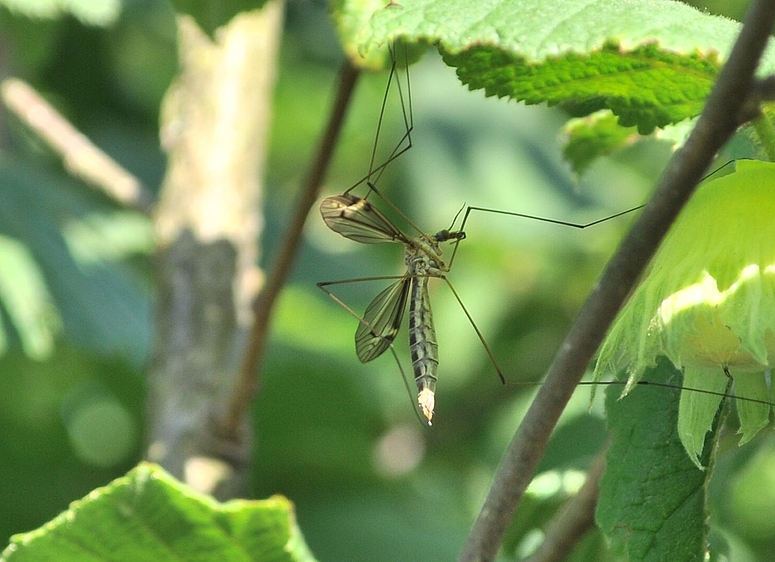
x,y
148,515
91,12
650,62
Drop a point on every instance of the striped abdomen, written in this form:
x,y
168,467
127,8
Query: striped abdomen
x,y
422,344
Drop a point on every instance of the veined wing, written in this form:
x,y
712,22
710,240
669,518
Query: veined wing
x,y
355,218
381,321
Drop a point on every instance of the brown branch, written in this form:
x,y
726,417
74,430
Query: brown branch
x,y
715,126
81,157
576,518
248,381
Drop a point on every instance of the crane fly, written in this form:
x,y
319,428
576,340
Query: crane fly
x,y
359,220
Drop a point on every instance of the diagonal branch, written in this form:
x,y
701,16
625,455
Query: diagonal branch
x,y
575,520
81,157
718,122
248,381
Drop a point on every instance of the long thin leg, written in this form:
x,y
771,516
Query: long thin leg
x,y
652,383
373,188
322,286
478,332
405,143
534,217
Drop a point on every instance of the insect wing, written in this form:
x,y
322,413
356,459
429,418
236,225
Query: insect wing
x,y
355,218
381,321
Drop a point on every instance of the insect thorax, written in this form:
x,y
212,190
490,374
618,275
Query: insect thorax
x,y
423,258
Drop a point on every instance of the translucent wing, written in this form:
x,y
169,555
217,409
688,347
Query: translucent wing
x,y
381,321
355,218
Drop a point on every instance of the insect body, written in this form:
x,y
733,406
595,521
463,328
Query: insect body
x,y
357,219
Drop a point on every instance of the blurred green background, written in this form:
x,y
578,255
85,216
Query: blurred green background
x,y
339,438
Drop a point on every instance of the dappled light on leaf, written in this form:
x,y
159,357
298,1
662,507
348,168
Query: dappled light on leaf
x,y
708,302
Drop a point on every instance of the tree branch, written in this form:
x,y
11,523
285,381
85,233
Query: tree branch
x,y
715,126
576,518
81,157
248,381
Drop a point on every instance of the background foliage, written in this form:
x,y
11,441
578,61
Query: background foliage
x,y
336,437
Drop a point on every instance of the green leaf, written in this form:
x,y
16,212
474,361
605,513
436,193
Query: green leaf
x,y
75,239
148,515
652,497
650,62
212,14
589,138
708,310
697,411
351,16
24,296
90,12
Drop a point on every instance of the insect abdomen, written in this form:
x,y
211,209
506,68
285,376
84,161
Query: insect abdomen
x,y
423,346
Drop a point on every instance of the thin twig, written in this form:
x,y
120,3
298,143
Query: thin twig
x,y
715,126
80,156
576,518
248,381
